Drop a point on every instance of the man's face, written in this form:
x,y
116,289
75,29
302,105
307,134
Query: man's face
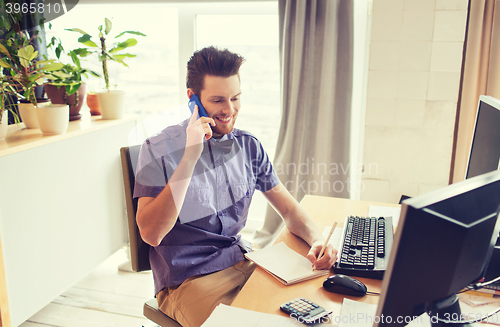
x,y
221,99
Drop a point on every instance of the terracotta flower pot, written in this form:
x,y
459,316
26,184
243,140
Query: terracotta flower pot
x,y
93,104
58,95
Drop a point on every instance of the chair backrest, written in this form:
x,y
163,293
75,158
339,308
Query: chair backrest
x,y
139,250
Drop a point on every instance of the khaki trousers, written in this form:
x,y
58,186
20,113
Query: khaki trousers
x,y
192,302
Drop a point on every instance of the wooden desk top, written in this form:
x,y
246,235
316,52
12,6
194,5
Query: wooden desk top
x,y
264,293
19,138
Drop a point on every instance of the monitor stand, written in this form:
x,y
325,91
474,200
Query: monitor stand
x,y
446,309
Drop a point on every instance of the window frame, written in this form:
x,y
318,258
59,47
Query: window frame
x,y
187,13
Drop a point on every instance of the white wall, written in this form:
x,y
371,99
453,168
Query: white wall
x,y
62,212
413,82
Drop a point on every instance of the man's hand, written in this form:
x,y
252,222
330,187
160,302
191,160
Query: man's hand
x,y
196,130
327,259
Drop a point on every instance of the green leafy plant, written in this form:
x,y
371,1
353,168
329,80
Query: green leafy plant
x,y
9,20
70,75
113,54
25,72
6,93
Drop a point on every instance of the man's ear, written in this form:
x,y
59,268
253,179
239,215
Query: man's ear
x,y
190,93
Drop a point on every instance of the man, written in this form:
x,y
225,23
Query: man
x,y
194,182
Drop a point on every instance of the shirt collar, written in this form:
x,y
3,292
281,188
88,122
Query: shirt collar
x,y
224,137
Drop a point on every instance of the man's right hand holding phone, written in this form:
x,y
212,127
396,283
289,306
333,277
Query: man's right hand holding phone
x,y
197,130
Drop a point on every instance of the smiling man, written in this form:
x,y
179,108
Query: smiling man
x,y
222,96
194,182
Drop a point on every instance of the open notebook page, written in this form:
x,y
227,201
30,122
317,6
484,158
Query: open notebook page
x,y
283,263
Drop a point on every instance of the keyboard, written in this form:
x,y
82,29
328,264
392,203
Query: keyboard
x,y
365,247
495,286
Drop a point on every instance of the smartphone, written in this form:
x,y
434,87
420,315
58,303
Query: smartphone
x,y
195,100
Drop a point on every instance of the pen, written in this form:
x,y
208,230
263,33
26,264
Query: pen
x,y
327,240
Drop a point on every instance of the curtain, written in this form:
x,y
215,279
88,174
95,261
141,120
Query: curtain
x,y
480,76
312,153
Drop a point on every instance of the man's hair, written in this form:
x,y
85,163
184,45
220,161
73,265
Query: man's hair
x,y
211,61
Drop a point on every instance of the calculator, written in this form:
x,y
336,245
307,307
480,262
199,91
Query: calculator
x,y
305,311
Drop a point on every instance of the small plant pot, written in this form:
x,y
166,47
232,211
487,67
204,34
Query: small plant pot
x,y
58,95
112,104
93,104
4,122
53,119
28,114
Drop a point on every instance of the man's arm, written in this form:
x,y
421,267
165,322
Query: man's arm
x,y
300,223
157,216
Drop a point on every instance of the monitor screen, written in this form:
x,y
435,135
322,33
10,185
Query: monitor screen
x,y
484,154
442,244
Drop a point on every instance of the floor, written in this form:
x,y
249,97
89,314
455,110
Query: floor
x,y
106,297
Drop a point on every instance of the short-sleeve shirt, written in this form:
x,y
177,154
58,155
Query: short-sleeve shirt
x,y
205,236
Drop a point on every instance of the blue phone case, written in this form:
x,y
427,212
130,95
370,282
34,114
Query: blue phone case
x,y
195,100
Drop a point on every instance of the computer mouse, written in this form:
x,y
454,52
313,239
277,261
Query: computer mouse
x,y
343,284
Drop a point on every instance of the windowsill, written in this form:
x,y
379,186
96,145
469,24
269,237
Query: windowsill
x,y
19,138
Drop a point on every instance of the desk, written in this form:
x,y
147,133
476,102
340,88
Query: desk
x,y
62,210
264,293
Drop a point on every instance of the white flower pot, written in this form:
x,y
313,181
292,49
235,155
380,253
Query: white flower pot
x,y
112,104
53,119
28,114
3,124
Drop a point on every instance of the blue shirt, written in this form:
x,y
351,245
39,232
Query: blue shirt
x,y
205,236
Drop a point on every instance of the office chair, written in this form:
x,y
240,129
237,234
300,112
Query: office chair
x,y
139,250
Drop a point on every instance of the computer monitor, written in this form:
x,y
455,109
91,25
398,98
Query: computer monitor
x,y
442,244
484,154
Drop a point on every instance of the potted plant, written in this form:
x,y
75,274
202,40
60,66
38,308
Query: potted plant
x,y
26,73
112,103
6,104
67,87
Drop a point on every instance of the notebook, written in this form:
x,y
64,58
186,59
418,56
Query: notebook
x,y
284,264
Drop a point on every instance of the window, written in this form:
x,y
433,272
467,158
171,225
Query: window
x,y
155,79
151,78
